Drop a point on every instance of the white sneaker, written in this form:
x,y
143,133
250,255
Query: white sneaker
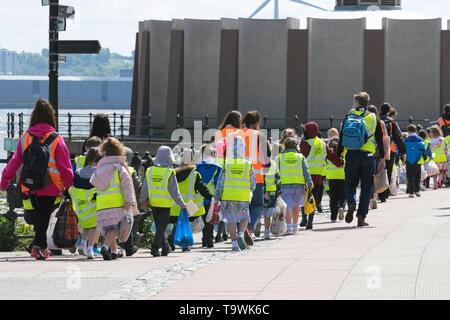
x,y
411,195
90,254
294,229
82,251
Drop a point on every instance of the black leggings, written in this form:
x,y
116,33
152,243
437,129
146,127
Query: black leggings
x,y
44,211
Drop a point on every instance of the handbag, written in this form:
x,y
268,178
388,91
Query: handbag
x,y
125,226
213,216
432,169
393,188
310,203
183,234
381,182
423,173
278,225
65,233
197,225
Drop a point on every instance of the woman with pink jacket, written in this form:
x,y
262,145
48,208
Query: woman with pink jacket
x,y
42,124
109,218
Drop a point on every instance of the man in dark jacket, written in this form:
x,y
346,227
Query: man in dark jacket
x,y
395,134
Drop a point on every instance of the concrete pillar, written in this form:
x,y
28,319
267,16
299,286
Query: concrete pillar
x,y
335,67
201,69
175,77
413,67
159,73
263,50
445,76
134,92
374,65
143,80
297,78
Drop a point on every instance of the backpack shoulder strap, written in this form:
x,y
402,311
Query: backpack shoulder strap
x,y
50,138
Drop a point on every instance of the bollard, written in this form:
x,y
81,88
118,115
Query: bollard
x,y
331,121
90,120
297,120
206,122
411,120
69,125
178,120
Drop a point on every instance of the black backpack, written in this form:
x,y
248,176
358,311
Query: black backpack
x,y
34,174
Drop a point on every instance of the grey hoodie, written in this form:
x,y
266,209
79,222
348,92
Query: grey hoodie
x,y
164,158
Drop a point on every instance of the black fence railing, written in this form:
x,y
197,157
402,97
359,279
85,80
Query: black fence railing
x,y
78,125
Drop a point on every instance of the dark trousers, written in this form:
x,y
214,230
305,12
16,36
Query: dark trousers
x,y
256,205
359,166
413,176
161,217
389,167
317,193
208,230
44,211
337,196
221,231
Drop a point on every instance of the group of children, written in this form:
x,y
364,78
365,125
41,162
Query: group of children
x,y
104,188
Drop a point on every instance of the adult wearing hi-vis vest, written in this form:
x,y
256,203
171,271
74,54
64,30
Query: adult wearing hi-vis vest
x,y
316,153
230,124
395,133
159,190
42,124
360,163
258,154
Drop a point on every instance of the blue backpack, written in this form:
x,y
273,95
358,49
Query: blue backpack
x,y
354,131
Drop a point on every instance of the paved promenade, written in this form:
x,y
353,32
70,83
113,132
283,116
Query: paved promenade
x,y
403,254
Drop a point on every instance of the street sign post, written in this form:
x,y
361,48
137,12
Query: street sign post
x,y
57,22
78,46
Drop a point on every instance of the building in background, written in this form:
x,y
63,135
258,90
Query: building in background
x,y
7,62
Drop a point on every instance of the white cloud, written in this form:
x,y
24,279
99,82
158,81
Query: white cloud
x,y
23,23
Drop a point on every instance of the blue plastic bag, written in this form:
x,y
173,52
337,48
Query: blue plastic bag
x,y
183,235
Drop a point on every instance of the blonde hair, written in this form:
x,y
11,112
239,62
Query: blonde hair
x,y
436,131
112,147
333,132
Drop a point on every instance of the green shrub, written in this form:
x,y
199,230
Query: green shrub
x,y
7,238
145,224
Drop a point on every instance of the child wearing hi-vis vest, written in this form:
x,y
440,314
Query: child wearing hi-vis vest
x,y
336,182
233,190
159,190
92,142
294,175
83,195
191,188
115,194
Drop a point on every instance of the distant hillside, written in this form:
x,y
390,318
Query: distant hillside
x,y
104,64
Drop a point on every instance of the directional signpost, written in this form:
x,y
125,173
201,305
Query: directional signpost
x,y
57,22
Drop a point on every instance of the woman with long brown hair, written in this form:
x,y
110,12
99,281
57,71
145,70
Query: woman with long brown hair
x,y
59,171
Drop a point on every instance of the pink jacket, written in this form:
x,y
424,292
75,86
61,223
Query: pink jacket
x,y
105,173
62,158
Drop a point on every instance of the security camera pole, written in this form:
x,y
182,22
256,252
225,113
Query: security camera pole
x,y
57,22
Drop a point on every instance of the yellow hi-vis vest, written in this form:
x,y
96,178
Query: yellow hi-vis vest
x,y
269,177
439,152
79,162
210,185
371,125
111,197
236,186
187,191
158,186
421,161
290,168
335,173
317,157
27,205
84,206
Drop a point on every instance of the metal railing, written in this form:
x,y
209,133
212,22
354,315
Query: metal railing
x,y
79,125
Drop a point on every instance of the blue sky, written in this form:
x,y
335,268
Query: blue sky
x,y
24,24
